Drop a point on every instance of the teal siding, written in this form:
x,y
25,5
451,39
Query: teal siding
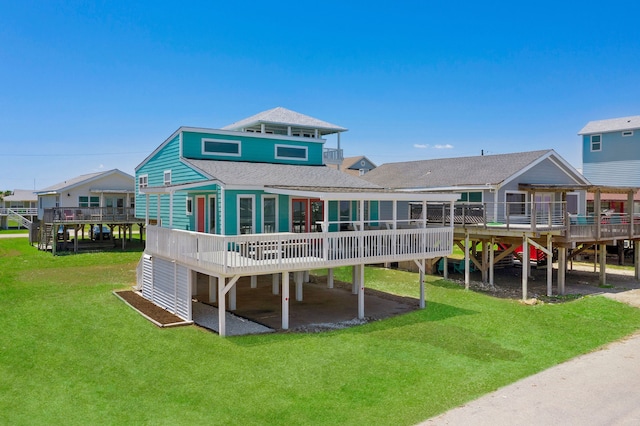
x,y
167,158
253,148
284,222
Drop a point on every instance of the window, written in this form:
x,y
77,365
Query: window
x,y
167,177
245,215
269,215
84,201
221,147
288,152
345,215
143,181
189,206
516,204
470,197
627,133
596,142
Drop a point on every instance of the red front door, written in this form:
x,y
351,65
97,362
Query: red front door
x,y
305,214
200,218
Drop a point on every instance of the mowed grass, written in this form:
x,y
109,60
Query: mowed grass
x,y
72,353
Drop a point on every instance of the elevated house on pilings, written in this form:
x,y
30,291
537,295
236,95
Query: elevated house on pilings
x,y
18,209
91,203
257,198
512,201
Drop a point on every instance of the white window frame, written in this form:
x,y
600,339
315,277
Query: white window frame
x,y
224,154
166,177
143,181
627,133
591,142
526,203
275,198
281,157
189,206
253,212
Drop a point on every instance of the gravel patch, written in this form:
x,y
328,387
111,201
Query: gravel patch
x,y
207,316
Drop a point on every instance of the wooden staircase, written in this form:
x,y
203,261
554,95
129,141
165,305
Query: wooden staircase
x,y
47,239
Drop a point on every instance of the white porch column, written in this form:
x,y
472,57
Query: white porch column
x,y
254,281
171,209
275,284
354,279
222,308
330,278
158,219
445,266
306,276
285,300
361,291
194,283
422,295
525,263
232,296
213,288
298,278
146,210
562,269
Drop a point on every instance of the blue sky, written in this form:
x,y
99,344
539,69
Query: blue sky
x,y
95,86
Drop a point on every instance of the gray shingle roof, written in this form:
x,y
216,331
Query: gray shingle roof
x,y
447,172
267,174
611,125
286,117
79,179
22,195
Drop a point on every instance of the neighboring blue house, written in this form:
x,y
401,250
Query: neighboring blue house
x,y
611,156
257,198
611,151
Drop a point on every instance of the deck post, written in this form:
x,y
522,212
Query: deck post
x,y
298,277
222,308
285,300
467,275
636,258
525,264
254,281
213,288
354,279
361,291
485,261
492,256
232,296
562,269
422,295
275,284
549,266
603,264
445,267
330,278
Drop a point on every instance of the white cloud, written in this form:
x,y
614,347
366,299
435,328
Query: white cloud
x,y
420,145
445,146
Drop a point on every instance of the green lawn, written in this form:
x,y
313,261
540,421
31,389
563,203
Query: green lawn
x,y
72,353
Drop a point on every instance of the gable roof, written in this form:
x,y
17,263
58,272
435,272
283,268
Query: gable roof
x,y
22,195
82,179
484,170
242,173
611,125
348,163
286,117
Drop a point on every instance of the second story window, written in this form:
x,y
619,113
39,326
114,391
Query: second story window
x,y
290,152
143,181
167,177
221,147
596,142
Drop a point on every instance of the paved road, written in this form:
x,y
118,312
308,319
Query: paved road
x,y
23,235
599,388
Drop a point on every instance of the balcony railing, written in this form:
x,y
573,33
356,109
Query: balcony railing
x,y
24,211
89,215
265,253
332,156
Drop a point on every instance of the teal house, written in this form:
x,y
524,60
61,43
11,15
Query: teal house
x,y
257,197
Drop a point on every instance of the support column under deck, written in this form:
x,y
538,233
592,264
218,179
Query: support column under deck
x,y
562,269
636,258
525,264
275,284
213,289
549,266
467,274
285,300
361,291
603,264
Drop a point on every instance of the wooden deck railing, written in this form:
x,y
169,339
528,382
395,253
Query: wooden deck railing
x,y
266,253
90,215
